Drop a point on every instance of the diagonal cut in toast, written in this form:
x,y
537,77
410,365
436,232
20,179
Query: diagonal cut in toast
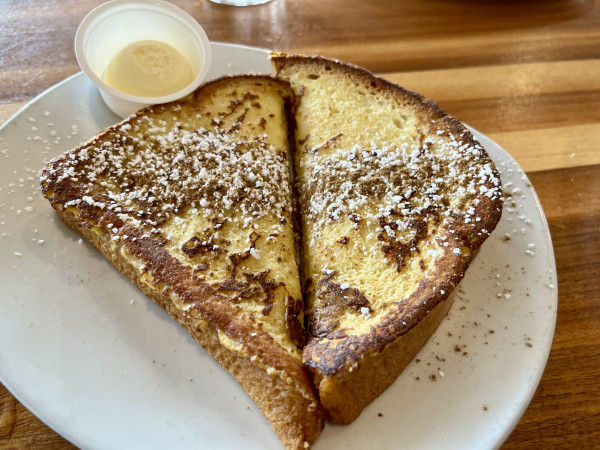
x,y
396,197
192,202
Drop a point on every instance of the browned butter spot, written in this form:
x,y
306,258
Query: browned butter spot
x,y
334,300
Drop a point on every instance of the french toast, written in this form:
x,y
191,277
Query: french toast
x,y
396,197
192,202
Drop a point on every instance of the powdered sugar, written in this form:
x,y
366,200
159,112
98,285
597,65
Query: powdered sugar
x,y
153,173
440,175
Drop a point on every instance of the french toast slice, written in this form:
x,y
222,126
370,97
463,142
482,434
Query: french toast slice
x,y
192,202
396,197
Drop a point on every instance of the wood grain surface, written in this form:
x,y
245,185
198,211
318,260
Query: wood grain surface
x,y
526,73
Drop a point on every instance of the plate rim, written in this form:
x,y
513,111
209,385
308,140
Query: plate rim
x,y
72,437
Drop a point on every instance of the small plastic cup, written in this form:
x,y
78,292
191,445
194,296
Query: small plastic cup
x,y
112,26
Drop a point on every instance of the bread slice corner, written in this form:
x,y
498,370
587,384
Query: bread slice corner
x,y
191,201
396,197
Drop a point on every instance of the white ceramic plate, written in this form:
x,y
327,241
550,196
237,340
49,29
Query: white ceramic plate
x,y
98,362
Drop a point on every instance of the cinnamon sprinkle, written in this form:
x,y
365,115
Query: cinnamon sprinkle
x,y
438,177
149,174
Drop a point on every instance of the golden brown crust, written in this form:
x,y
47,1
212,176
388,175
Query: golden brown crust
x,y
423,106
138,242
320,355
377,371
350,368
291,408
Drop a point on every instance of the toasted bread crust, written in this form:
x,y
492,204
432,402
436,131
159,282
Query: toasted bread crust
x,y
287,397
352,368
377,370
349,366
177,276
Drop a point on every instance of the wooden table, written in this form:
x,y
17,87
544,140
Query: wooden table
x,y
525,73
